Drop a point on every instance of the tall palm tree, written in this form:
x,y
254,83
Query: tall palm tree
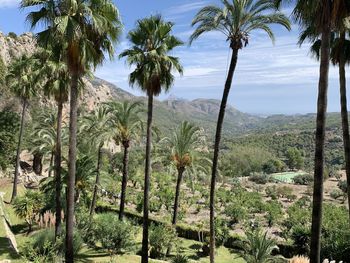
x,y
322,15
88,29
340,55
152,41
97,127
56,86
127,126
185,141
236,19
22,80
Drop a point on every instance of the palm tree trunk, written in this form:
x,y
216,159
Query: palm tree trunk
x,y
147,181
71,168
319,148
15,179
217,148
38,163
58,157
180,172
97,181
344,112
51,163
125,179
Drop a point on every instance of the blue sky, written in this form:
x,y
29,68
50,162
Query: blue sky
x,y
270,79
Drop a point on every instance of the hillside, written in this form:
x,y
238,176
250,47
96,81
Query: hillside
x,y
168,113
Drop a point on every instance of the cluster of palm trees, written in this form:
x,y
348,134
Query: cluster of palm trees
x,y
78,33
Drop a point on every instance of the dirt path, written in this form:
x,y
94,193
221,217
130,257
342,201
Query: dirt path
x,y
9,234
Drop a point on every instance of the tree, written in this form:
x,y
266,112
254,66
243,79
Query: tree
x,y
236,21
97,127
22,80
295,159
322,15
184,142
126,125
152,41
340,55
56,86
88,29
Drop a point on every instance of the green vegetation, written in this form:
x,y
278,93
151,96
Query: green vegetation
x,y
79,167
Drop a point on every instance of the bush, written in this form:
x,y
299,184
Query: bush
x,y
221,232
343,186
86,227
300,234
273,166
335,242
303,179
9,123
274,211
271,191
43,248
160,239
236,212
259,178
12,35
180,259
336,193
114,235
28,206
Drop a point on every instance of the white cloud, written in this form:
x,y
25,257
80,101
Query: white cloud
x,y
180,9
9,3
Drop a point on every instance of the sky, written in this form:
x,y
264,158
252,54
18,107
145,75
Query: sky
x,y
271,78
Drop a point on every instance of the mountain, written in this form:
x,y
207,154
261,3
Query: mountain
x,y
168,113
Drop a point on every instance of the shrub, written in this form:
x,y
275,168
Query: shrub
x,y
114,235
9,123
284,191
161,238
300,234
274,211
271,191
86,227
42,248
28,206
221,232
180,259
259,178
236,212
343,186
335,242
12,35
303,179
336,193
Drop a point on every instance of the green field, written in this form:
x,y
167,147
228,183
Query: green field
x,y
286,177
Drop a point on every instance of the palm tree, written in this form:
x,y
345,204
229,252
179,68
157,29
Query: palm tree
x,y
236,20
56,86
97,127
340,55
321,15
22,81
88,28
152,41
258,248
127,125
184,143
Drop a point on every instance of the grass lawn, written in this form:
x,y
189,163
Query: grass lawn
x,y
286,177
